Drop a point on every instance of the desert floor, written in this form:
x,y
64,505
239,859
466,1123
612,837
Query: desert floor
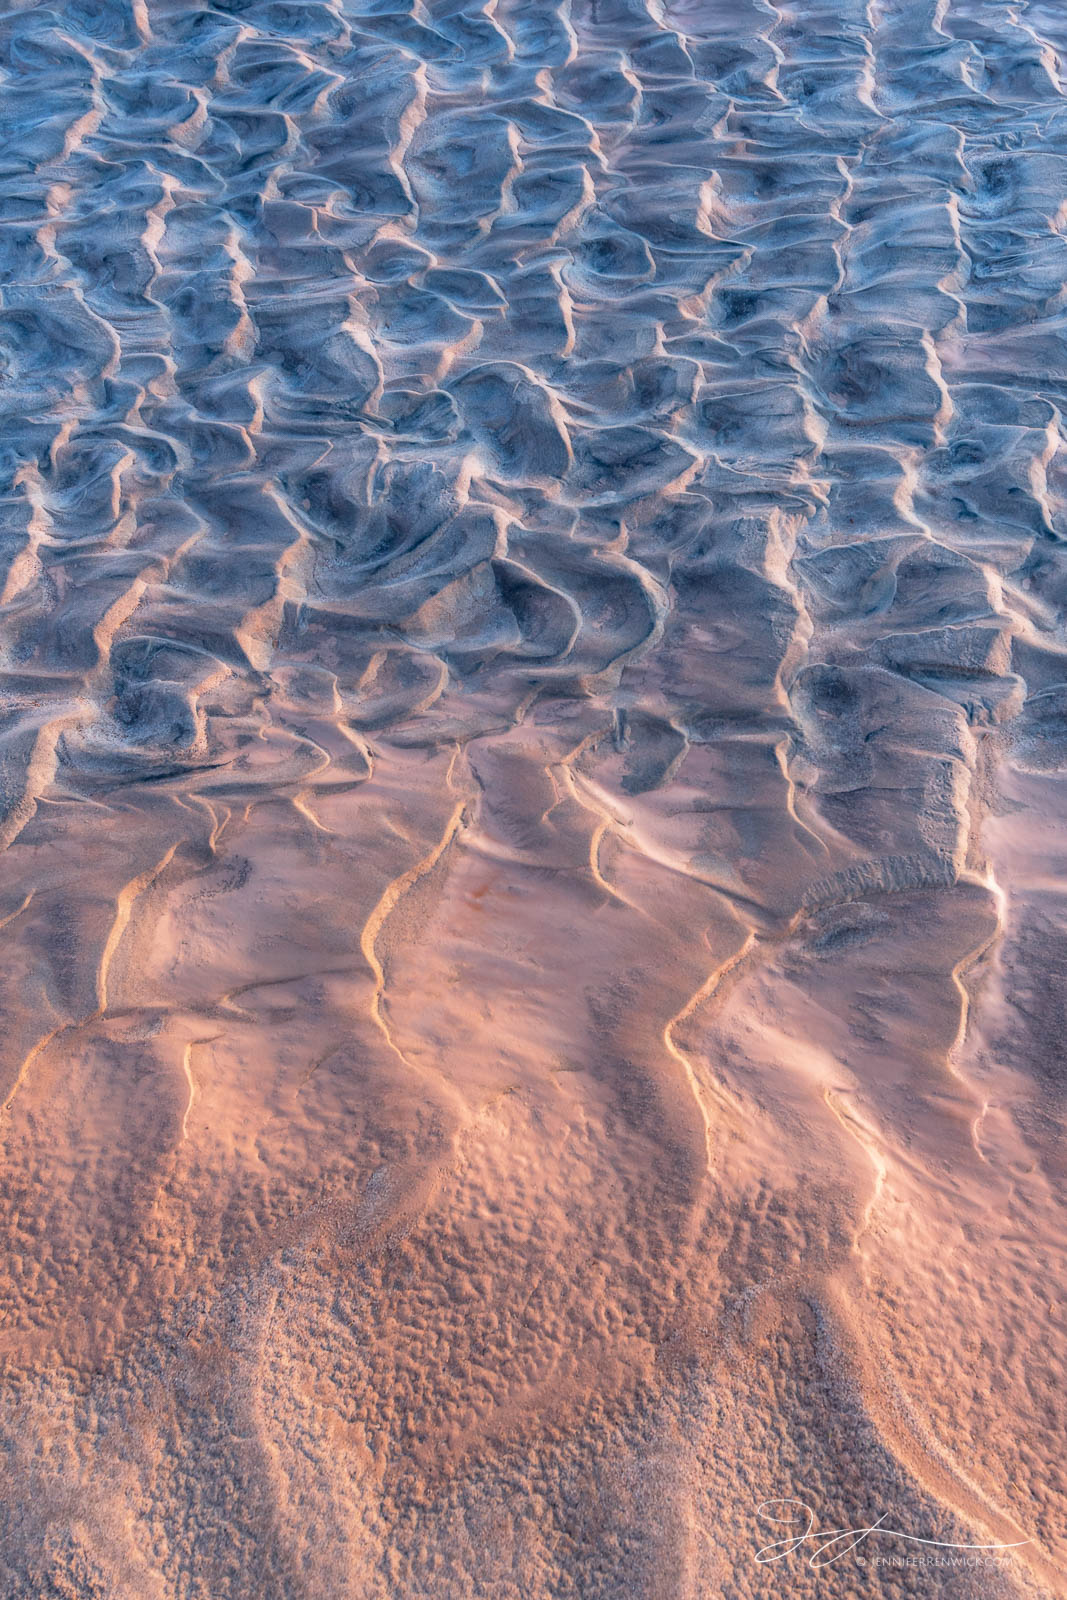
x,y
533,799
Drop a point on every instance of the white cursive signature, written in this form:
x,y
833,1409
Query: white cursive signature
x,y
841,1540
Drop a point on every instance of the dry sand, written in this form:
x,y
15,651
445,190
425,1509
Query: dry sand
x,y
534,797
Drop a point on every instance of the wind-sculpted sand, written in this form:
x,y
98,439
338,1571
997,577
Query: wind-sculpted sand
x,y
534,779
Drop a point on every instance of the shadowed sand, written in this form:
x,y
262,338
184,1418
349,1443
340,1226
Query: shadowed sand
x,y
533,752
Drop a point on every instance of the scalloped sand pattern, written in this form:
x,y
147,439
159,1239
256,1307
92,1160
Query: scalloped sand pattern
x,y
533,766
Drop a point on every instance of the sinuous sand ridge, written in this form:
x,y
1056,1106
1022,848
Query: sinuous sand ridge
x,y
533,798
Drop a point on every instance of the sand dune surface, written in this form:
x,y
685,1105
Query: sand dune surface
x,y
533,778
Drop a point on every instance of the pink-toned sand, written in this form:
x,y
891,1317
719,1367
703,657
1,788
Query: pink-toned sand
x,y
533,761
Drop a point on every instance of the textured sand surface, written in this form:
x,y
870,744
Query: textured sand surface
x,y
533,766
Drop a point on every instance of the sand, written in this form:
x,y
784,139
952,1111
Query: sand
x,y
533,779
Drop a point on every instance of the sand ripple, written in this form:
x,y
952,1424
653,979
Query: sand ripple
x,y
532,724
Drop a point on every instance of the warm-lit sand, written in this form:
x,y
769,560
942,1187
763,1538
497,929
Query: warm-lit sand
x,y
533,762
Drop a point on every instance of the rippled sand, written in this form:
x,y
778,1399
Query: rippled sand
x,y
534,795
